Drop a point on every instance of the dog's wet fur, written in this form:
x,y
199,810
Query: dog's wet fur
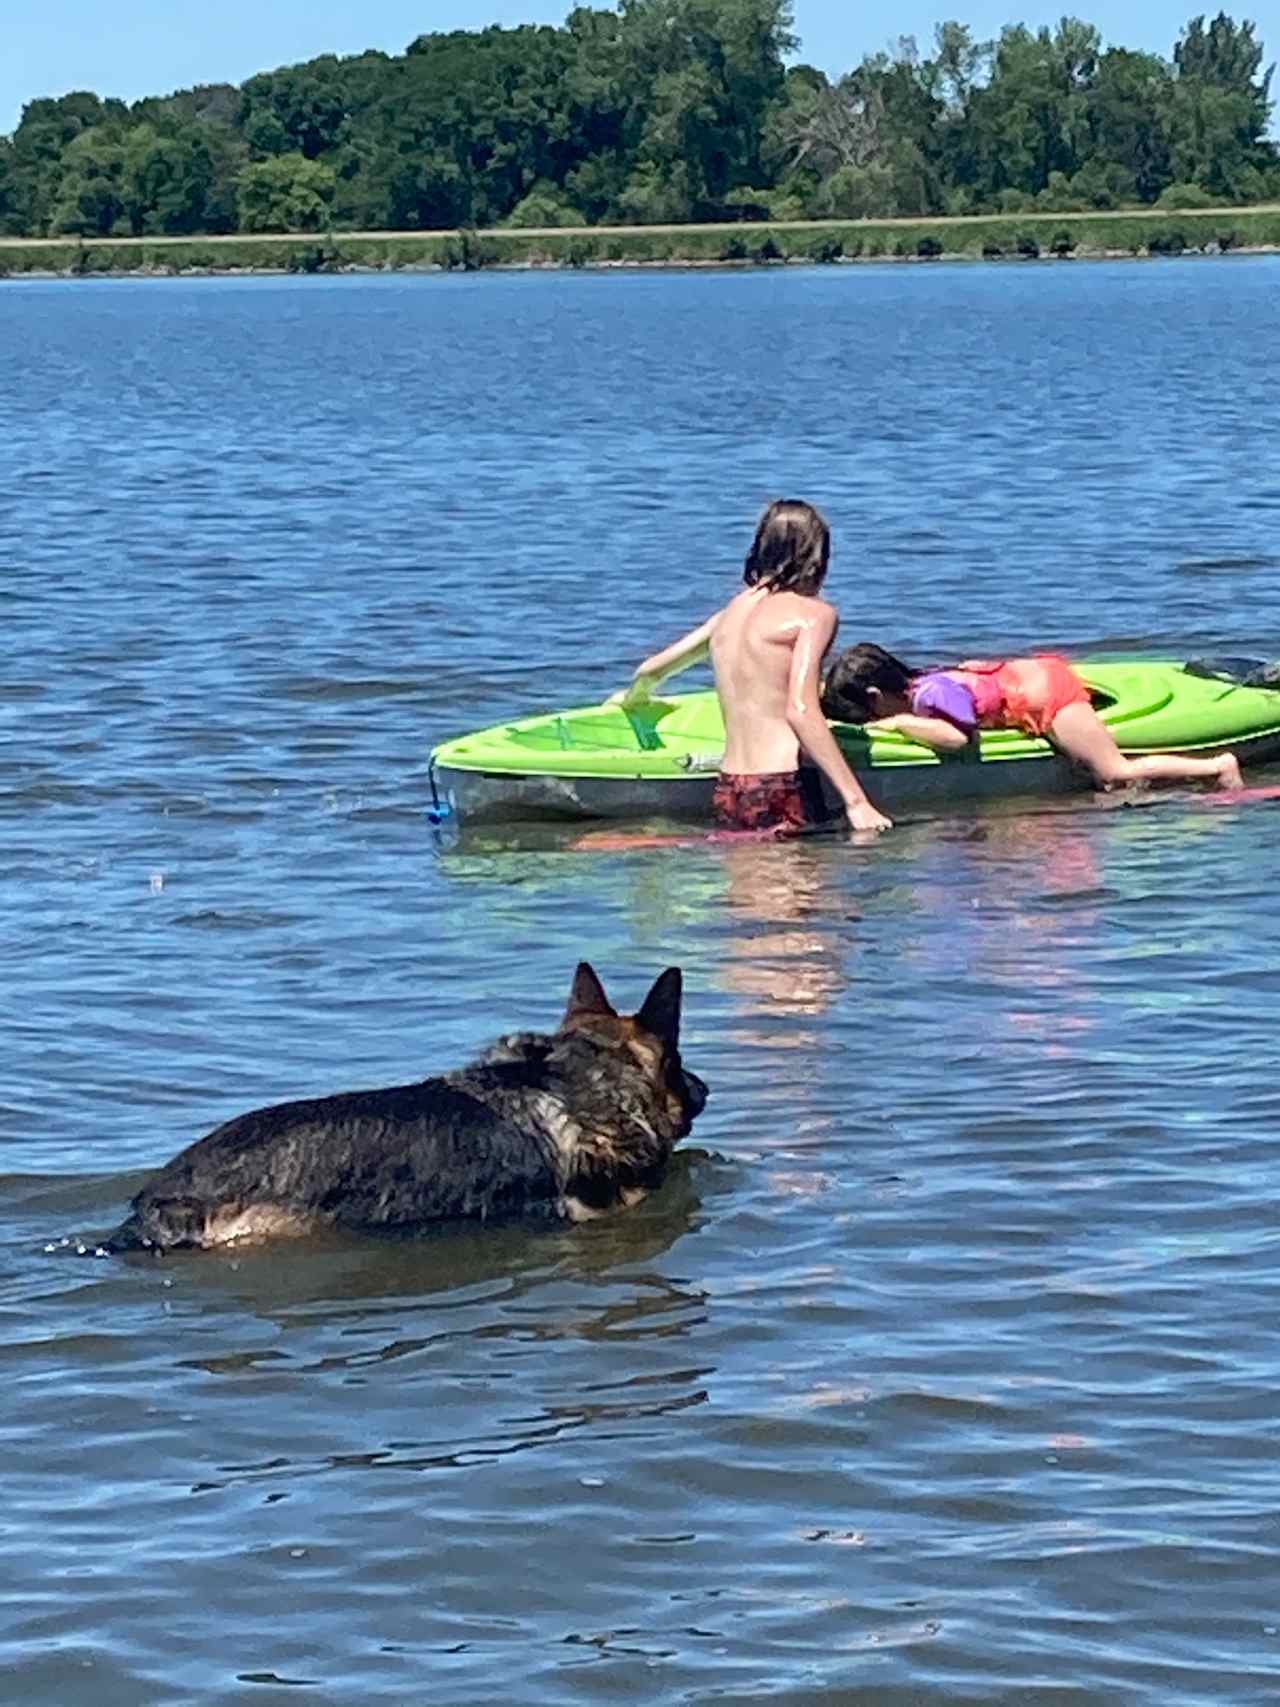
x,y
561,1125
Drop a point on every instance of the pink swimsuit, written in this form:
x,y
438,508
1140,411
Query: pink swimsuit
x,y
1014,693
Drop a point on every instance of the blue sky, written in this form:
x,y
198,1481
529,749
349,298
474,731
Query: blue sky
x,y
149,47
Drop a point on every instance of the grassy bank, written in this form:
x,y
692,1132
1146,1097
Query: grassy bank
x,y
1020,236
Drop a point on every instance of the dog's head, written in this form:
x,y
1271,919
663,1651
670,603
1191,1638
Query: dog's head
x,y
624,1088
648,1040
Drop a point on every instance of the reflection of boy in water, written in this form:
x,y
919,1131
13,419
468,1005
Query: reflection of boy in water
x,y
787,936
766,648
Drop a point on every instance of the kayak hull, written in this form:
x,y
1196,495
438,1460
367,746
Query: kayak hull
x,y
480,797
660,761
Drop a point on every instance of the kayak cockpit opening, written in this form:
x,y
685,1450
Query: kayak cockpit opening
x,y
1239,672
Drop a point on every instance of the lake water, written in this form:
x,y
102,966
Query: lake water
x,y
944,1367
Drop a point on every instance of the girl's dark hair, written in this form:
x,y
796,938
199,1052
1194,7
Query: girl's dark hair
x,y
791,549
844,689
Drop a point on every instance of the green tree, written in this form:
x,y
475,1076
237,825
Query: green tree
x,y
89,198
544,205
1226,56
868,144
11,210
1031,118
45,131
603,109
171,181
962,64
1128,128
287,193
705,74
1219,112
309,109
474,122
216,105
855,192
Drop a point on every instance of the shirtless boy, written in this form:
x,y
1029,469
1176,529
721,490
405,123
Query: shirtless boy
x,y
766,648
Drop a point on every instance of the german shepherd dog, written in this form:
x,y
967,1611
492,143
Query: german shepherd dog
x,y
561,1125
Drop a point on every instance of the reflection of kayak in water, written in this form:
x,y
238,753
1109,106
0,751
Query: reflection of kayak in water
x,y
1212,797
625,841
629,841
605,761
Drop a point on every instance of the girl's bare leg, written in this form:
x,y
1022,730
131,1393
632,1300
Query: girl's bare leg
x,y
1081,734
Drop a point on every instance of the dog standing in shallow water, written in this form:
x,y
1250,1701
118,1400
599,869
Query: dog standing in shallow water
x,y
560,1125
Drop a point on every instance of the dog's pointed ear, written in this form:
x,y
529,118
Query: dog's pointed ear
x,y
660,1015
586,996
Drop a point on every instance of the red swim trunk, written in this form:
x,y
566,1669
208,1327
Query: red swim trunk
x,y
785,803
1035,690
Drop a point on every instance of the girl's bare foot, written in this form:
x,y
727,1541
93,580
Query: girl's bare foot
x,y
1229,771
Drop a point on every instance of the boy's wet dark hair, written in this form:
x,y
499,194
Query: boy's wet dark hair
x,y
791,549
844,688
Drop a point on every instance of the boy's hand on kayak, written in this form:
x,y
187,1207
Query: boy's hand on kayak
x,y
862,815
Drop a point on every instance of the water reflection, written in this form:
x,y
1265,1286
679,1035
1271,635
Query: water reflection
x,y
1018,900
524,1338
333,1269
787,924
778,913
1039,893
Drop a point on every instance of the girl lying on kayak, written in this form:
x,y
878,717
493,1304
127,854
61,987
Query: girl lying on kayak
x,y
944,709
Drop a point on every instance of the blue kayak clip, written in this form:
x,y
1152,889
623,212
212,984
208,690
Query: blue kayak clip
x,y
439,809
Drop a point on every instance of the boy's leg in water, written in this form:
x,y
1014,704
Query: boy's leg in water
x,y
1082,735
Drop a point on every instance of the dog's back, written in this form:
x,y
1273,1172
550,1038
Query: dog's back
x,y
561,1124
390,1158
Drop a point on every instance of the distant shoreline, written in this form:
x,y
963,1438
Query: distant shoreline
x,y
433,269
1088,236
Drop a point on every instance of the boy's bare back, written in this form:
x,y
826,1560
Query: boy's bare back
x,y
753,653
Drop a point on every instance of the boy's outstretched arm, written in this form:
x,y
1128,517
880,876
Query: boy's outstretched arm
x,y
804,714
682,654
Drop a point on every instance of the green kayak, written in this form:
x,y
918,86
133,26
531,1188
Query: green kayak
x,y
602,761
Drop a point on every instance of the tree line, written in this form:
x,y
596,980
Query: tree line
x,y
658,111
